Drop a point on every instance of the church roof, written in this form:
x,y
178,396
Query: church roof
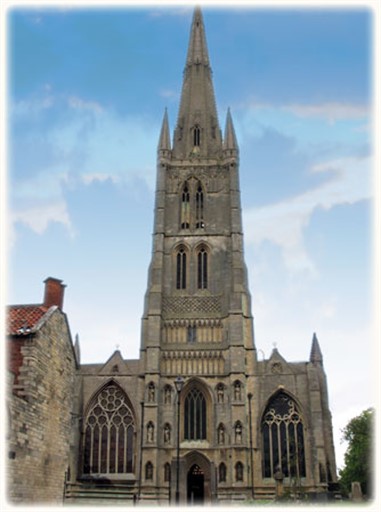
x,y
23,319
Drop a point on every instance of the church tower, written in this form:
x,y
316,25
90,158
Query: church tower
x,y
218,438
198,418
197,322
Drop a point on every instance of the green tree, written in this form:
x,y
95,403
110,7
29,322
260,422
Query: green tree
x,y
358,457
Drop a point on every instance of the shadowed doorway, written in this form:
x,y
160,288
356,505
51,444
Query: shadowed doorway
x,y
195,485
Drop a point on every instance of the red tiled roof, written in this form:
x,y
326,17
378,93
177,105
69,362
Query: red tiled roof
x,y
21,319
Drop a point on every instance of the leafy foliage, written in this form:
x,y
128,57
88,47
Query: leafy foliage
x,y
358,457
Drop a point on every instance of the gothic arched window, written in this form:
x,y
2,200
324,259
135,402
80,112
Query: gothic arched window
x,y
199,206
195,415
202,268
196,136
222,472
181,269
108,444
185,207
283,438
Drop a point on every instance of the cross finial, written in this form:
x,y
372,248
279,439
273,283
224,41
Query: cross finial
x,y
275,344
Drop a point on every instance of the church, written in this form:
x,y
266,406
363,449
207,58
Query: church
x,y
198,418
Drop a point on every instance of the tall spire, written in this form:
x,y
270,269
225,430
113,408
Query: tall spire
x,y
230,140
316,356
165,139
197,132
197,50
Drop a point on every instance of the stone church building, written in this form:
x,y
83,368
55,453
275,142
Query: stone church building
x,y
197,418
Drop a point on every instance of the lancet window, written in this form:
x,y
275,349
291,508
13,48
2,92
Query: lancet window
x,y
283,438
185,207
199,206
202,268
108,444
192,204
195,415
196,136
181,269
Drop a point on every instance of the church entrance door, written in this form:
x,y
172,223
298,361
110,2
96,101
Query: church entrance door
x,y
195,485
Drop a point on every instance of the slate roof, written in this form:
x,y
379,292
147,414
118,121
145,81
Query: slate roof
x,y
24,318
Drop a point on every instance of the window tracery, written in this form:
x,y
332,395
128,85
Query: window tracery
x,y
283,438
195,415
109,433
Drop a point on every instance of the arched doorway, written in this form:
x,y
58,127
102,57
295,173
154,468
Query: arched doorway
x,y
199,479
195,485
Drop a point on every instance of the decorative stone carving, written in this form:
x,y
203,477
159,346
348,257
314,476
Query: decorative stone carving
x,y
191,307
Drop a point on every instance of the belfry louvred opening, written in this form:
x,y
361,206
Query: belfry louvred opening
x,y
232,426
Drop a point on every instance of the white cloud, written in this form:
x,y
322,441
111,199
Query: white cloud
x,y
40,216
181,11
169,93
87,179
283,223
329,111
80,104
84,141
25,108
332,112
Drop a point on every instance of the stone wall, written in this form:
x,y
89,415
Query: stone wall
x,y
40,415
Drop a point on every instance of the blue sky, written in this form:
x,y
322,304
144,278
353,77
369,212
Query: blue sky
x,y
87,92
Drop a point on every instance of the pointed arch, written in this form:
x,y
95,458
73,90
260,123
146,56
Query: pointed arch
x,y
185,206
195,415
283,437
202,256
109,432
199,204
167,472
181,262
149,470
239,472
196,132
196,410
222,473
